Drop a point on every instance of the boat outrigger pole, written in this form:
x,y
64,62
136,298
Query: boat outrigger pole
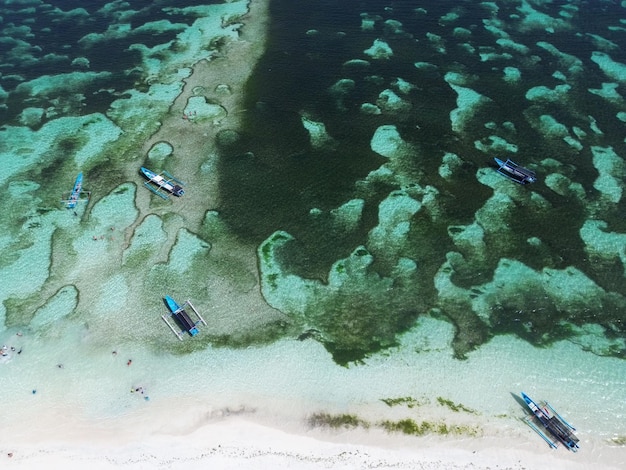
x,y
538,431
171,327
196,312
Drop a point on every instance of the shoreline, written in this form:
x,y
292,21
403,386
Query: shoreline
x,y
236,442
254,422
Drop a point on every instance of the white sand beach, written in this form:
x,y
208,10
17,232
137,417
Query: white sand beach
x,y
236,443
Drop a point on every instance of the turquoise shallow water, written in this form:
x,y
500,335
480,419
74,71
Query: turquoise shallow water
x,y
347,238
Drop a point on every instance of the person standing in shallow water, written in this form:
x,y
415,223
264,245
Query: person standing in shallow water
x,y
140,390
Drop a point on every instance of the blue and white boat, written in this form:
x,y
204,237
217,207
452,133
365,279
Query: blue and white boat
x,y
514,172
182,317
560,429
74,198
161,183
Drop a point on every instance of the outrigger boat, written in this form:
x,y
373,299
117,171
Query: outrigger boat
x,y
182,317
74,197
158,183
513,171
553,423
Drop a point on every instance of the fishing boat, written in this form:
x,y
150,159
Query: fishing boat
x,y
161,183
554,423
182,317
74,197
514,172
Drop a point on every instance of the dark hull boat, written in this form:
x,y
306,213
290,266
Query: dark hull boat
x,y
159,184
553,423
514,172
182,317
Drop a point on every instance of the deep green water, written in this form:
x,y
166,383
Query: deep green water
x,y
518,258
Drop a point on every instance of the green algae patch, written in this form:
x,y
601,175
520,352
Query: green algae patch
x,y
38,316
618,441
414,428
406,426
19,312
337,421
540,306
264,334
454,406
145,243
353,314
409,402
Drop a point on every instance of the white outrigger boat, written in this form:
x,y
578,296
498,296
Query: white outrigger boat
x,y
159,183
